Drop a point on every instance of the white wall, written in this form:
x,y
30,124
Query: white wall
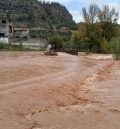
x,y
4,40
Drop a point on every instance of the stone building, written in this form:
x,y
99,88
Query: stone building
x,y
6,28
21,32
8,32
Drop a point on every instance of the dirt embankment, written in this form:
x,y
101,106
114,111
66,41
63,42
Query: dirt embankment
x,y
64,92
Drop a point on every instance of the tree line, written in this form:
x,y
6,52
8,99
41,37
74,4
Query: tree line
x,y
98,29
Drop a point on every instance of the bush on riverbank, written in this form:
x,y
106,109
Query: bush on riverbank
x,y
115,49
10,47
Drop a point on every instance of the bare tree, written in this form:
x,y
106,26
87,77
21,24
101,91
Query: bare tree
x,y
92,15
108,15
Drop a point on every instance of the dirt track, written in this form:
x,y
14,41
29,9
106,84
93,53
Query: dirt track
x,y
63,92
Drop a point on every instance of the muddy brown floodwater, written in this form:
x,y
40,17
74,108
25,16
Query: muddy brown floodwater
x,y
62,92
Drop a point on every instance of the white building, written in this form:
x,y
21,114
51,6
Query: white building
x,y
6,30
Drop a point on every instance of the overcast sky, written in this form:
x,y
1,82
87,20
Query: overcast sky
x,y
75,6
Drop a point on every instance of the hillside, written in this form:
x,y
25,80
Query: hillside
x,y
33,13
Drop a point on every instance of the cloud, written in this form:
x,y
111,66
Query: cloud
x,y
77,16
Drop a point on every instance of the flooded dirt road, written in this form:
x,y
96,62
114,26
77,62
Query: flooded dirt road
x,y
62,92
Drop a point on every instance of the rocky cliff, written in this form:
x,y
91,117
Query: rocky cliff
x,y
33,13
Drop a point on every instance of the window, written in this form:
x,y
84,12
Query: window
x,y
3,21
2,34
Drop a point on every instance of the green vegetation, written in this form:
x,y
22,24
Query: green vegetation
x,y
115,48
45,34
9,47
97,31
56,41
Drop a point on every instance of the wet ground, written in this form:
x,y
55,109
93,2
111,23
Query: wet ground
x,y
62,92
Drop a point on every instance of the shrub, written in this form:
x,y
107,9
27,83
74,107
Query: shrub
x,y
1,46
105,46
56,41
4,46
115,48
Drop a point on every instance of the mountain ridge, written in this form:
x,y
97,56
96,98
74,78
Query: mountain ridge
x,y
34,13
